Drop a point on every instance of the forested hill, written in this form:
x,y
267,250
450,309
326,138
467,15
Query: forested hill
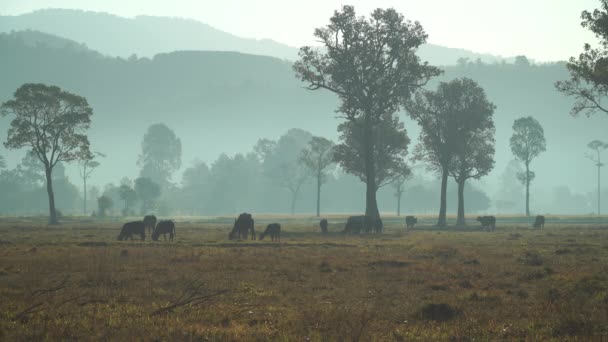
x,y
223,102
147,36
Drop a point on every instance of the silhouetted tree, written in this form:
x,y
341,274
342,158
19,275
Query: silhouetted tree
x,y
51,123
399,187
161,154
86,166
104,203
148,192
527,142
195,187
597,147
588,82
371,64
280,162
129,197
317,157
449,118
388,156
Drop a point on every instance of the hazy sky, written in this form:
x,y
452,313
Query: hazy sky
x,y
541,29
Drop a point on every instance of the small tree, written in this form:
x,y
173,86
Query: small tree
x,y
148,192
527,142
399,187
104,203
129,197
588,82
86,167
597,147
371,64
317,157
52,124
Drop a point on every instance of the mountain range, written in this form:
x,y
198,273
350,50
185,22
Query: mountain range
x,y
146,36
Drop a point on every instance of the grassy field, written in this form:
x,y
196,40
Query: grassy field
x,y
76,282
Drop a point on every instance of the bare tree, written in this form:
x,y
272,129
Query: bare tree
x,y
597,147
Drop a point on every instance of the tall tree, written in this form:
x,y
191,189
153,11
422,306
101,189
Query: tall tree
x,y
588,82
129,197
52,124
448,118
148,192
597,147
86,166
161,154
317,157
474,159
390,152
527,142
371,64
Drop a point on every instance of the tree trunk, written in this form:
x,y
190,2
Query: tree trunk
x,y
442,221
399,204
371,204
84,204
49,189
599,165
460,221
318,195
527,190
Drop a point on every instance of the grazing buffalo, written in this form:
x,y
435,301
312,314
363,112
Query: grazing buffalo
x,y
410,221
150,223
243,225
539,222
274,230
488,222
362,223
164,227
323,225
132,228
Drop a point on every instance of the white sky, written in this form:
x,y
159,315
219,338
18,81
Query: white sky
x,y
542,29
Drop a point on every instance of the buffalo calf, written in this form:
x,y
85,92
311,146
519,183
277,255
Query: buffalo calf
x,y
274,230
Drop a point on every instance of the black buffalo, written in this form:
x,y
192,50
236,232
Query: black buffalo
x,y
132,228
362,223
150,223
488,222
274,230
410,221
323,225
243,225
539,222
164,227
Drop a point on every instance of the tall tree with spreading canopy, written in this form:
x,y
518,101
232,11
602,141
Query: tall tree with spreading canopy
x,y
51,123
527,143
597,147
317,157
450,118
161,154
372,66
588,82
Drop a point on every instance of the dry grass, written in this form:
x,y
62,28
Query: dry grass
x,y
76,282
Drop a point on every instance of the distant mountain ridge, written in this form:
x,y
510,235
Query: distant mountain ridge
x,y
147,36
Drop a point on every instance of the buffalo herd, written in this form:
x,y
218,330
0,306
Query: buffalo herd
x,y
244,227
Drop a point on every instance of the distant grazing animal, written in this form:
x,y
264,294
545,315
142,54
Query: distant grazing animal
x,y
410,221
150,223
323,225
132,228
274,230
164,227
243,225
539,222
488,222
357,224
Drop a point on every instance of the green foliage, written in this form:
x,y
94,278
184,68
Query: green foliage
x,y
161,154
104,203
148,192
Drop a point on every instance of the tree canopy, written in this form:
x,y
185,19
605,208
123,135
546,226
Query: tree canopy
x,y
161,154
